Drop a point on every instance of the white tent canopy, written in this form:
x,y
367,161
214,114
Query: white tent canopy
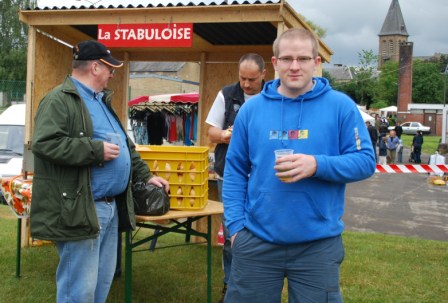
x,y
366,117
384,112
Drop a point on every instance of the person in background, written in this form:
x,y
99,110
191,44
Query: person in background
x,y
398,130
373,137
251,70
84,167
392,145
377,122
382,151
400,150
284,215
417,142
382,130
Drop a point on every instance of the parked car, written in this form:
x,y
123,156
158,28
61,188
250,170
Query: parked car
x,y
12,132
411,128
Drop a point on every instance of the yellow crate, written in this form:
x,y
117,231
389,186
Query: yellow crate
x,y
174,158
188,203
184,177
172,152
188,196
185,168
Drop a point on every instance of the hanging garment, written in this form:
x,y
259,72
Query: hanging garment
x,y
155,128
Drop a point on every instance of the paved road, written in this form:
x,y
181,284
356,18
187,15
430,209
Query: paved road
x,y
398,204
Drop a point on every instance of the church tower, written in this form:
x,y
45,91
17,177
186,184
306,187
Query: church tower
x,y
392,34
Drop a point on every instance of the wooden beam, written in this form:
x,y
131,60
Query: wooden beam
x,y
67,34
196,14
30,68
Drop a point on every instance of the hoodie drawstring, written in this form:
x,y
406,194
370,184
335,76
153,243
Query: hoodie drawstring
x,y
281,120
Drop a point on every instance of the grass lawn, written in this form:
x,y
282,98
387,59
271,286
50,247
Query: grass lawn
x,y
430,143
377,268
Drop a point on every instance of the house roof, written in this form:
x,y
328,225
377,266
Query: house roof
x,y
394,22
340,72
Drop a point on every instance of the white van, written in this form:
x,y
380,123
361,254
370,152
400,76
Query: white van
x,y
12,137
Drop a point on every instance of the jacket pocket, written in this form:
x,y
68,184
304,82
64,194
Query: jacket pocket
x,y
73,212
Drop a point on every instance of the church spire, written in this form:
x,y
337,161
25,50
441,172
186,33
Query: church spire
x,y
394,22
392,35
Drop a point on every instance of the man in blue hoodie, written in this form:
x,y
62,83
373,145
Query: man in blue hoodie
x,y
292,228
230,98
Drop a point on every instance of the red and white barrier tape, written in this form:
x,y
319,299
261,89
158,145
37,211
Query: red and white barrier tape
x,y
411,169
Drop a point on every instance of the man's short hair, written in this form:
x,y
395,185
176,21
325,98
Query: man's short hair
x,y
296,33
255,58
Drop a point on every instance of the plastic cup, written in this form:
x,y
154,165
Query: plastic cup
x,y
279,153
113,138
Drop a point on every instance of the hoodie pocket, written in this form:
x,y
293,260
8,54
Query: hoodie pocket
x,y
73,212
287,217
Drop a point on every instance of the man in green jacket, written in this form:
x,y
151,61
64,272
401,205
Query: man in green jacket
x,y
84,168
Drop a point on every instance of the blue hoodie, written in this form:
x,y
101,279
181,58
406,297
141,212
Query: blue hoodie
x,y
322,122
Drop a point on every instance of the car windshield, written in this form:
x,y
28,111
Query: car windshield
x,y
12,138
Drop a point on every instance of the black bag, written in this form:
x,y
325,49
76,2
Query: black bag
x,y
150,200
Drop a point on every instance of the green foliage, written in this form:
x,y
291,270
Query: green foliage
x,y
362,88
387,85
367,60
427,82
319,31
379,104
430,143
13,37
327,75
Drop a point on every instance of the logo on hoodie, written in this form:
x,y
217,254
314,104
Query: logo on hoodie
x,y
293,134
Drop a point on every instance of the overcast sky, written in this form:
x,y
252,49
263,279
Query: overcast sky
x,y
354,25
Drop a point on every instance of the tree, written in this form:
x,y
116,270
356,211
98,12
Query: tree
x,y
328,76
13,37
427,82
319,31
387,88
362,88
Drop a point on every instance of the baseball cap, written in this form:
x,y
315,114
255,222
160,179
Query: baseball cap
x,y
94,50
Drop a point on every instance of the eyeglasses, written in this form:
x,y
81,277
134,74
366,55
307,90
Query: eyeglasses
x,y
111,70
290,60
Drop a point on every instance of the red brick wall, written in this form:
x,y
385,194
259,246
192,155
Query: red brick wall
x,y
405,76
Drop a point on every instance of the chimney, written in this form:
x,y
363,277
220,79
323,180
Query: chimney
x,y
404,79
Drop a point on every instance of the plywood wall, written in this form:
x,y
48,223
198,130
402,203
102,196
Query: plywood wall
x,y
50,66
219,75
47,67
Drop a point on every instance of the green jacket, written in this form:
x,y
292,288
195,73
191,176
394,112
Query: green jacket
x,y
62,205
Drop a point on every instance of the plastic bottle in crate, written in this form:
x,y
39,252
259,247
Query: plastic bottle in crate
x,y
220,235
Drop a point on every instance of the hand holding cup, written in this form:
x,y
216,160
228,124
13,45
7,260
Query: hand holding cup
x,y
280,153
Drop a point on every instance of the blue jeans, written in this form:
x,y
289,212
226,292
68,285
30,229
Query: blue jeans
x,y
226,249
400,156
86,267
259,269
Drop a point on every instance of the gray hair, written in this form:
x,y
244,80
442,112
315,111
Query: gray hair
x,y
255,58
